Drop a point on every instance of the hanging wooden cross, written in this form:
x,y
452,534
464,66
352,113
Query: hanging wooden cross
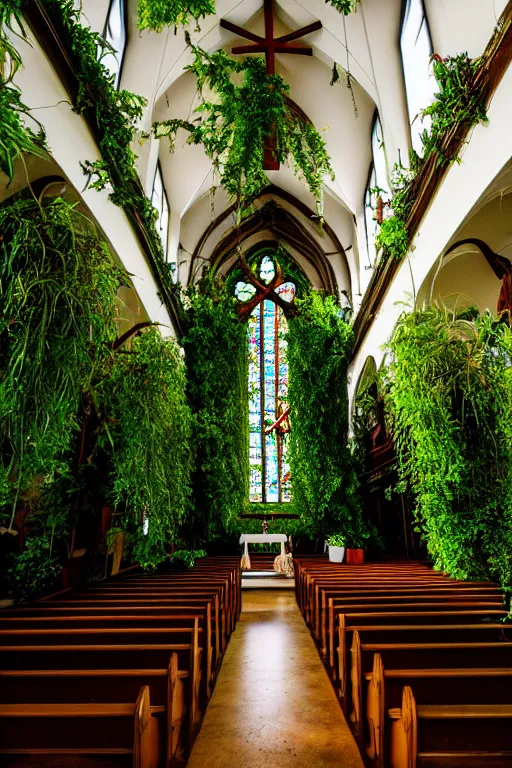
x,y
270,46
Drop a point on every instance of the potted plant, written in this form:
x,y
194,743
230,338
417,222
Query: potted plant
x,y
336,544
356,546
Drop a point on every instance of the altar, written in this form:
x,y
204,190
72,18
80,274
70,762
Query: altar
x,y
259,538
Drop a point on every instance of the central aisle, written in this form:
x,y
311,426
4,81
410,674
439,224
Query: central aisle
x,y
273,705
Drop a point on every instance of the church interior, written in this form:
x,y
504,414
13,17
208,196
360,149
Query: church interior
x,y
255,383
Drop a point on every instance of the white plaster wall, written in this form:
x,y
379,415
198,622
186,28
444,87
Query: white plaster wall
x,y
489,149
462,25
70,143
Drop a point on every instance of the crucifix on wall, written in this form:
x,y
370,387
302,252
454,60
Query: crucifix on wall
x,y
269,45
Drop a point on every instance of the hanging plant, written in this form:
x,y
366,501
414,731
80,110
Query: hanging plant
x,y
344,6
459,102
324,482
145,434
244,116
216,355
157,14
16,138
57,321
449,397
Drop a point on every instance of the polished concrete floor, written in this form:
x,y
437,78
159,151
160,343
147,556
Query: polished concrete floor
x,y
273,704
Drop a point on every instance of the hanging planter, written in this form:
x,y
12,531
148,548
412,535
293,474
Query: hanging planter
x,y
235,128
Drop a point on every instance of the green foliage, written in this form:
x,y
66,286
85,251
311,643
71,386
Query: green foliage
x,y
344,6
32,571
325,488
337,540
114,115
187,557
216,355
156,14
16,138
246,113
393,238
58,285
146,420
449,397
459,102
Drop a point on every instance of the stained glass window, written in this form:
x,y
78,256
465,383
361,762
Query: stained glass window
x,y
269,424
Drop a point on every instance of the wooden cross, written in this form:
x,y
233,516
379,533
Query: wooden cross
x,y
270,46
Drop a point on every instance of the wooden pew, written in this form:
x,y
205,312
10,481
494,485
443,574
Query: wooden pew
x,y
456,685
214,635
169,691
325,591
409,633
157,596
412,656
113,734
29,646
119,621
332,596
450,736
408,604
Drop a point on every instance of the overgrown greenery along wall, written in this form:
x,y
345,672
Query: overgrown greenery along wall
x,y
325,487
459,104
15,137
216,355
57,321
146,435
449,397
85,420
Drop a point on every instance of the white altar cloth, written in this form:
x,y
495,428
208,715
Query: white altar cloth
x,y
263,538
259,538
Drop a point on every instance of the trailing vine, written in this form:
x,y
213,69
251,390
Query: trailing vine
x,y
157,14
146,430
58,285
57,323
449,397
216,355
16,138
244,117
325,487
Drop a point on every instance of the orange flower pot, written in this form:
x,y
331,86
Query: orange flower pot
x,y
354,556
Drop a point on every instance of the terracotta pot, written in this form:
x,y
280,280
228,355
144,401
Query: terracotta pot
x,y
354,557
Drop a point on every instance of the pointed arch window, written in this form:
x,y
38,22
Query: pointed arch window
x,y
420,86
262,297
116,36
160,202
377,178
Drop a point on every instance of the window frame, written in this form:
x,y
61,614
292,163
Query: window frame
x,y
165,246
403,18
123,6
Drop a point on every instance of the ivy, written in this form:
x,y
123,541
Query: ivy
x,y
325,488
157,14
449,396
459,102
216,355
146,426
247,112
16,138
